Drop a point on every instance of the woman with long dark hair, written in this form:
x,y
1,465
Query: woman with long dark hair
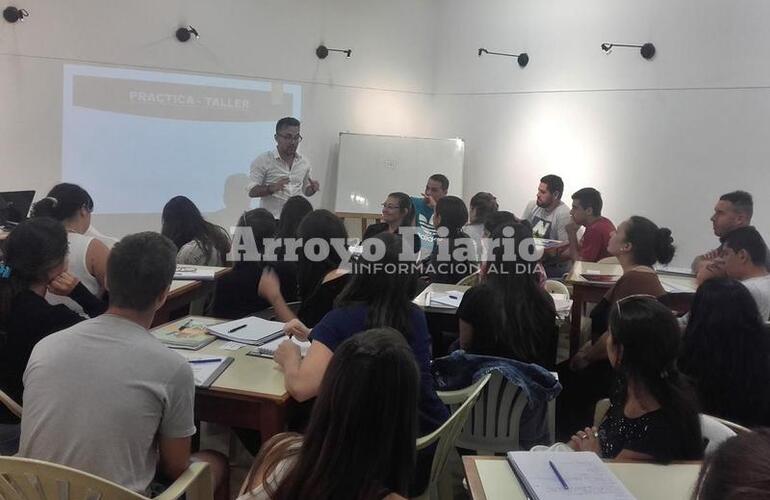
x,y
294,210
72,206
508,314
481,207
360,443
397,212
653,415
200,242
727,353
379,295
319,282
449,218
35,263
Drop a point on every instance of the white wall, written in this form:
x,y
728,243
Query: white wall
x,y
661,138
276,40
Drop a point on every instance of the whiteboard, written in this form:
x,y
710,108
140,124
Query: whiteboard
x,y
371,166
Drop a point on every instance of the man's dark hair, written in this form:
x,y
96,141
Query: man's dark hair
x,y
741,200
442,179
286,122
589,198
140,268
748,238
554,183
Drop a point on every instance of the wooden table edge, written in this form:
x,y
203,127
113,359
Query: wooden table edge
x,y
472,475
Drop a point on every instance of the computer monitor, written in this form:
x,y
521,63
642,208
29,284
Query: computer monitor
x,y
14,206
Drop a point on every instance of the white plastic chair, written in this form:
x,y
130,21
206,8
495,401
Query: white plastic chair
x,y
446,436
470,280
493,424
553,286
27,479
608,260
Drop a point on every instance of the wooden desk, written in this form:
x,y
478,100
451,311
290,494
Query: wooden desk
x,y
584,291
421,300
491,478
184,292
250,393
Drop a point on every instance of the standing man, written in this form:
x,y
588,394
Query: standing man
x,y
424,206
587,212
549,216
282,173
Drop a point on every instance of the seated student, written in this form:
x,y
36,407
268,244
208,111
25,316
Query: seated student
x,y
235,295
549,216
638,244
733,210
35,262
397,212
744,256
587,212
738,470
360,443
72,205
200,242
481,206
726,352
454,253
294,210
373,299
508,315
504,217
320,282
435,189
106,384
652,416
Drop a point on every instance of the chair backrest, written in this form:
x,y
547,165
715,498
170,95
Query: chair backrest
x,y
269,313
494,422
553,286
27,479
446,435
470,280
9,403
737,428
608,260
714,432
600,410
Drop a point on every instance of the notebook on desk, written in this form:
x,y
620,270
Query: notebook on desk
x,y
566,476
250,330
206,369
203,273
268,350
186,333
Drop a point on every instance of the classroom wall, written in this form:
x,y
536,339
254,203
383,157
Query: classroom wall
x,y
274,40
660,138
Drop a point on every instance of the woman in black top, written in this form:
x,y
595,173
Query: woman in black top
x,y
508,315
294,210
397,212
35,262
653,415
319,282
727,353
450,217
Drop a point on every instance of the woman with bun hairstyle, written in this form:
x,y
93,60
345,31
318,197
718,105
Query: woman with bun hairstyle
x,y
638,243
72,206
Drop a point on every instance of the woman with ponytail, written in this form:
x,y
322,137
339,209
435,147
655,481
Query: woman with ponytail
x,y
638,244
653,415
72,206
35,262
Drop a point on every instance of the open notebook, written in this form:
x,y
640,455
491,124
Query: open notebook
x,y
566,476
268,350
249,330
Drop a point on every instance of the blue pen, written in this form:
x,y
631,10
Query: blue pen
x,y
556,471
207,360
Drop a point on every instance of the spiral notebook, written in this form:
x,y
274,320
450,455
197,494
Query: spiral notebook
x,y
268,350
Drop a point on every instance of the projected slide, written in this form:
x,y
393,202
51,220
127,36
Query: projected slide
x,y
136,138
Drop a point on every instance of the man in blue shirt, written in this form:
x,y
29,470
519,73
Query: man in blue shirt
x,y
436,188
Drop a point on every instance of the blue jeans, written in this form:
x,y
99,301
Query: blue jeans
x,y
9,438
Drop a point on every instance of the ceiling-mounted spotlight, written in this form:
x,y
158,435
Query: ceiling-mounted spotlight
x,y
12,14
523,58
323,51
184,34
647,50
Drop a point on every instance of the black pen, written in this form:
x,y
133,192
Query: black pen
x,y
236,328
556,471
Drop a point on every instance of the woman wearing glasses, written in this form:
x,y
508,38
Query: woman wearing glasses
x,y
281,173
397,212
638,244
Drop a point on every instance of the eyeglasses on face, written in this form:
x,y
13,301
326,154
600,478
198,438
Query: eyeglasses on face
x,y
391,207
290,138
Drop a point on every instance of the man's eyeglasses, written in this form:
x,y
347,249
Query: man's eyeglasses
x,y
291,138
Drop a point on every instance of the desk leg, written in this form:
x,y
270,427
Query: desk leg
x,y
272,420
575,317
